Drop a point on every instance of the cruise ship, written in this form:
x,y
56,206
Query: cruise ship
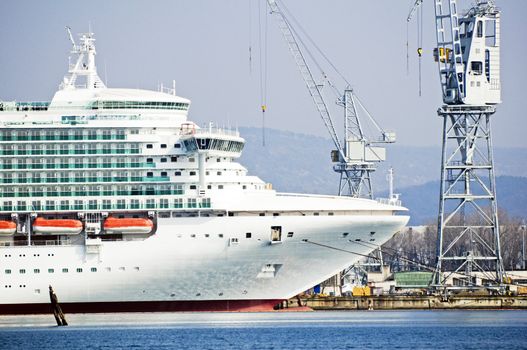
x,y
119,202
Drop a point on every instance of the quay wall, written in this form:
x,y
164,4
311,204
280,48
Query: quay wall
x,y
412,302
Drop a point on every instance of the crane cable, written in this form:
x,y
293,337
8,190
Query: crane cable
x,y
263,65
426,267
250,38
420,43
317,48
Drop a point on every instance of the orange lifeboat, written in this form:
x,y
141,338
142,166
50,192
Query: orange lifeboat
x,y
128,225
7,228
57,226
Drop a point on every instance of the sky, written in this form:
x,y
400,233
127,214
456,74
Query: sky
x,y
204,46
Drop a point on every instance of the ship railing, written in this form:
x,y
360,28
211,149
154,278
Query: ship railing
x,y
47,242
390,201
23,106
217,131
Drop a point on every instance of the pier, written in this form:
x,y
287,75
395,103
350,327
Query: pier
x,y
413,302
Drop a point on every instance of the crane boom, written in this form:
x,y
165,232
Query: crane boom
x,y
414,8
312,86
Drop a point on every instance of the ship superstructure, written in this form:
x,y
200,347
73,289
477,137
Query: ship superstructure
x,y
118,201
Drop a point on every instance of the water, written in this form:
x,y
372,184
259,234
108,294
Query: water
x,y
302,330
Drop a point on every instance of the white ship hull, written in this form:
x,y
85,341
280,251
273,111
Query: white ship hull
x,y
186,265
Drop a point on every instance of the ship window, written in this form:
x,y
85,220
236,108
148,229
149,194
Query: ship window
x,y
220,187
173,159
218,173
276,233
150,174
36,271
149,160
290,234
108,269
330,214
136,268
345,234
476,67
192,187
191,160
192,173
65,270
220,235
276,214
177,145
163,160
7,272
121,268
316,214
79,269
149,146
248,235
164,173
22,271
479,30
177,173
93,269
163,145
51,270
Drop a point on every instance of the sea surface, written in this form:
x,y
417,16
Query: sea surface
x,y
280,330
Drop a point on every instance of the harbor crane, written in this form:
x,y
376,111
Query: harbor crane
x,y
355,156
468,58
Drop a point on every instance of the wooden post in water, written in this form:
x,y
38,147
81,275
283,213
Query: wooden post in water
x,y
57,311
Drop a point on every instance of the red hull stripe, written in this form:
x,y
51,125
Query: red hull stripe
x,y
144,306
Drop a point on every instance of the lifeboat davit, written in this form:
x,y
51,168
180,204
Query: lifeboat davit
x,y
128,225
57,226
7,228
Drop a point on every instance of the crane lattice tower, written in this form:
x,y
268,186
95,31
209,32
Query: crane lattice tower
x,y
468,56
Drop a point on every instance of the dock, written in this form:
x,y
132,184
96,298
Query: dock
x,y
404,302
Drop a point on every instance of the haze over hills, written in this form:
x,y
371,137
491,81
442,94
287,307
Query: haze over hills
x,y
295,162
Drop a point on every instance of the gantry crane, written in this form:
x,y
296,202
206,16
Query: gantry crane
x,y
355,157
468,57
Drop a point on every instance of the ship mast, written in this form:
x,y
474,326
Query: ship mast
x,y
84,66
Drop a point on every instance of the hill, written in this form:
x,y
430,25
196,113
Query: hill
x,y
295,162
